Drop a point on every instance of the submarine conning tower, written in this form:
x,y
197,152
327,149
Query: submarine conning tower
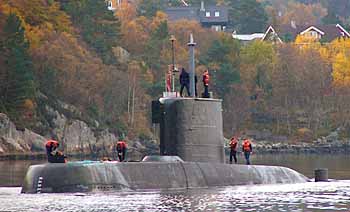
x,y
190,128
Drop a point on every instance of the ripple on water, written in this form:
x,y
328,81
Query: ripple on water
x,y
331,196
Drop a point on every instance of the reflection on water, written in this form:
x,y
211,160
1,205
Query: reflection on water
x,y
327,197
338,165
12,172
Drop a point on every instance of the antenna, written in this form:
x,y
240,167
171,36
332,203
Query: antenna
x,y
191,45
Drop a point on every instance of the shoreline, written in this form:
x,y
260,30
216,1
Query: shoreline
x,y
336,147
258,148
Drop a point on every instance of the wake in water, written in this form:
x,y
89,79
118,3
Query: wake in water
x,y
325,196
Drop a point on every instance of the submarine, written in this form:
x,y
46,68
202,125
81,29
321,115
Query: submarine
x,y
191,156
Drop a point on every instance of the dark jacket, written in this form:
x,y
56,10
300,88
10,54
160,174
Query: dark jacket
x,y
184,77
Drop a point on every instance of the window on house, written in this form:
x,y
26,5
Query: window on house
x,y
216,28
217,13
207,14
314,34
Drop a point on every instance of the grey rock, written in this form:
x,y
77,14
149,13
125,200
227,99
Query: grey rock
x,y
333,136
14,141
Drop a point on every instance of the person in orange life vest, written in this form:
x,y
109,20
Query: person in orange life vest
x,y
53,155
206,83
168,81
247,150
121,150
233,148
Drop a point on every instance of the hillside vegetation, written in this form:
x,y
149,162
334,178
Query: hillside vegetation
x,y
70,51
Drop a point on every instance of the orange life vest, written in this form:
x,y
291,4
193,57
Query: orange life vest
x,y
233,143
121,145
168,82
206,78
51,143
246,145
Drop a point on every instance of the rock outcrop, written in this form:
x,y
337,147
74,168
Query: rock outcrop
x,y
14,141
76,138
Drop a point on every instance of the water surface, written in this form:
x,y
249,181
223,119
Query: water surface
x,y
327,197
314,197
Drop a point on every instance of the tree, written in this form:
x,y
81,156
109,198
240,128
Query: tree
x,y
247,16
158,40
99,27
331,18
223,61
19,94
149,8
39,18
302,14
300,81
341,70
257,62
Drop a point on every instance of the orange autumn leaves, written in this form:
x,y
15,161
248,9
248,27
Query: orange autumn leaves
x,y
336,53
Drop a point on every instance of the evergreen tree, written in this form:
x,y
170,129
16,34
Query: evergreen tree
x,y
247,16
331,18
100,28
158,41
224,53
18,95
159,38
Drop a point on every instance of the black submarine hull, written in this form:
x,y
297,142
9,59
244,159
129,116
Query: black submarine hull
x,y
100,176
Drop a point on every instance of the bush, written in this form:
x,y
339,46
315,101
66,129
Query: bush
x,y
304,135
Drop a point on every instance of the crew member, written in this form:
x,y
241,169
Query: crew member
x,y
53,155
195,85
233,148
184,82
206,83
168,81
121,150
247,150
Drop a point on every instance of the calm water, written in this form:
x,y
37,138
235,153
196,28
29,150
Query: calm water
x,y
325,196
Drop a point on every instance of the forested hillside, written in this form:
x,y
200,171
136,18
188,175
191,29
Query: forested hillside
x,y
74,52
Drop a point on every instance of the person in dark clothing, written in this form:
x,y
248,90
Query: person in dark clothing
x,y
206,83
184,82
233,148
247,150
121,150
195,85
53,155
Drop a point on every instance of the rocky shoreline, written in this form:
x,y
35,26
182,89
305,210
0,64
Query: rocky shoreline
x,y
77,138
336,147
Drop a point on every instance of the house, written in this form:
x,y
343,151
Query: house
x,y
323,33
246,38
112,4
115,4
214,17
